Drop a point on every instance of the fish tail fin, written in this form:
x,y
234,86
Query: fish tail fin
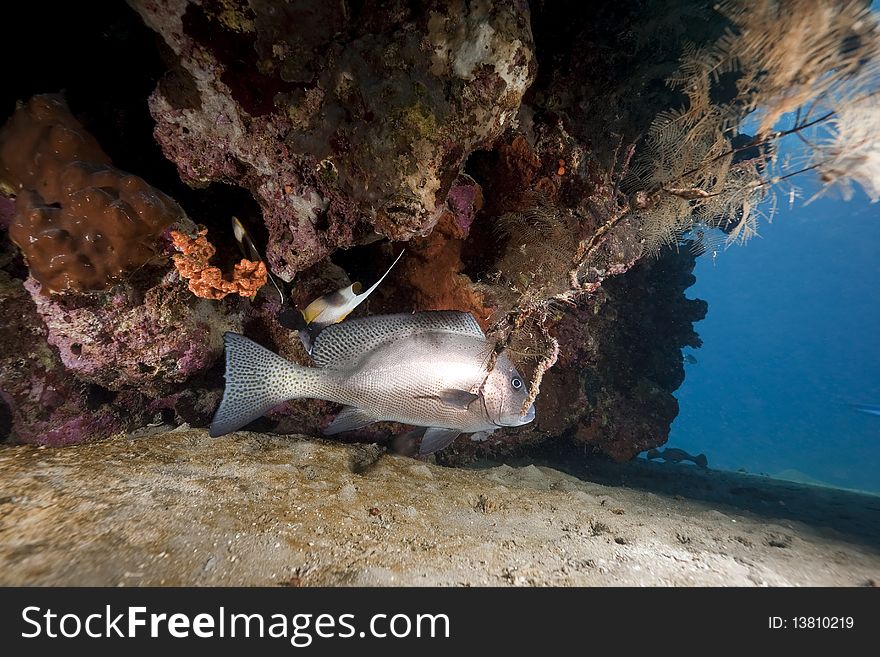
x,y
256,380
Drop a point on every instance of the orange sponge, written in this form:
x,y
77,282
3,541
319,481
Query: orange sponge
x,y
206,281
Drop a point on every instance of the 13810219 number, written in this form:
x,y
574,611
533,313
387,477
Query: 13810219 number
x,y
822,622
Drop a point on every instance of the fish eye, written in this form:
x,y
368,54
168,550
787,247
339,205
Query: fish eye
x,y
516,383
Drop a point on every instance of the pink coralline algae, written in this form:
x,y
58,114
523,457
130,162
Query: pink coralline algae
x,y
148,337
48,405
465,199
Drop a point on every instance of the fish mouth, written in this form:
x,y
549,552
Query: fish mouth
x,y
518,420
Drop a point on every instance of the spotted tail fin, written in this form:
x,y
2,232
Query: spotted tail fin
x,y
257,380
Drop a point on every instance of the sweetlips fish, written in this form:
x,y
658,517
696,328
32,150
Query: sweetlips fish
x,y
428,369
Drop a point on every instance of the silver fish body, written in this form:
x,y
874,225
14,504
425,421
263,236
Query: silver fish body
x,y
426,369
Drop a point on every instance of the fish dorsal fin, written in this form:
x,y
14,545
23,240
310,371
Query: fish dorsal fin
x,y
341,345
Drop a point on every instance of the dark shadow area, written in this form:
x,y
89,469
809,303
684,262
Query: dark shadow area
x,y
213,207
366,262
5,421
106,62
832,512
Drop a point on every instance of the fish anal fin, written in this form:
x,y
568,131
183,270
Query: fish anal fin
x,y
349,419
436,439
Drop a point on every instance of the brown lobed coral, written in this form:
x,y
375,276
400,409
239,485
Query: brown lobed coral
x,y
80,222
208,282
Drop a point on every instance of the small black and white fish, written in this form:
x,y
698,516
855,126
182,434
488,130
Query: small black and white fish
x,y
334,307
427,369
320,313
329,309
249,250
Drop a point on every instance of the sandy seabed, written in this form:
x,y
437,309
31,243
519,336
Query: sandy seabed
x,y
181,508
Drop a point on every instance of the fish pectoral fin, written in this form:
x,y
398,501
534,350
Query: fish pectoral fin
x,y
453,397
436,439
349,419
458,398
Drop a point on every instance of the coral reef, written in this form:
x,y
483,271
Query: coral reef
x,y
81,225
539,222
432,269
698,171
619,363
80,222
207,282
356,124
341,122
642,321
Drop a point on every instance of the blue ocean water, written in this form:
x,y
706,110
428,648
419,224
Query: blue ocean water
x,y
792,336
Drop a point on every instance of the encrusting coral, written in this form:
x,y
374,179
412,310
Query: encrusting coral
x,y
206,281
80,222
342,122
